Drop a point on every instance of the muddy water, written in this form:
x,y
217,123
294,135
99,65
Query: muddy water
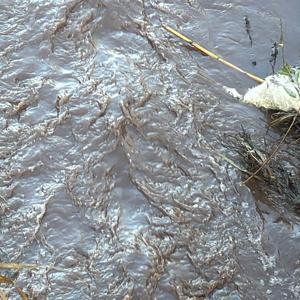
x,y
111,174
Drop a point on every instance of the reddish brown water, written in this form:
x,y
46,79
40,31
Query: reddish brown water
x,y
110,167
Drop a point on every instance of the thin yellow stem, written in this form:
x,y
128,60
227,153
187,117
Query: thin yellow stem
x,y
211,54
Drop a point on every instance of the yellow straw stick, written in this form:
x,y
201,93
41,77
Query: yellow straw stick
x,y
17,266
211,54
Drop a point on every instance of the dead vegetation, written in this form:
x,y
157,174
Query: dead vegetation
x,y
280,120
264,162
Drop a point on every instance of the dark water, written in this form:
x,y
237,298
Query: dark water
x,y
110,166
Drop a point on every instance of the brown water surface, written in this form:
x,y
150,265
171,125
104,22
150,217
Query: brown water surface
x,y
110,166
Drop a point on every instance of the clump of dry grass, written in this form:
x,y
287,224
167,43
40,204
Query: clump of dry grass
x,y
281,120
273,175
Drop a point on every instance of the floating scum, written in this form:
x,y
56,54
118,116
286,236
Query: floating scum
x,y
277,92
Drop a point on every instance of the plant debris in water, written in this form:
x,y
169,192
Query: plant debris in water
x,y
248,29
282,119
275,175
274,54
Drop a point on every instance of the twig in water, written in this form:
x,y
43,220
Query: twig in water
x,y
281,42
201,49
